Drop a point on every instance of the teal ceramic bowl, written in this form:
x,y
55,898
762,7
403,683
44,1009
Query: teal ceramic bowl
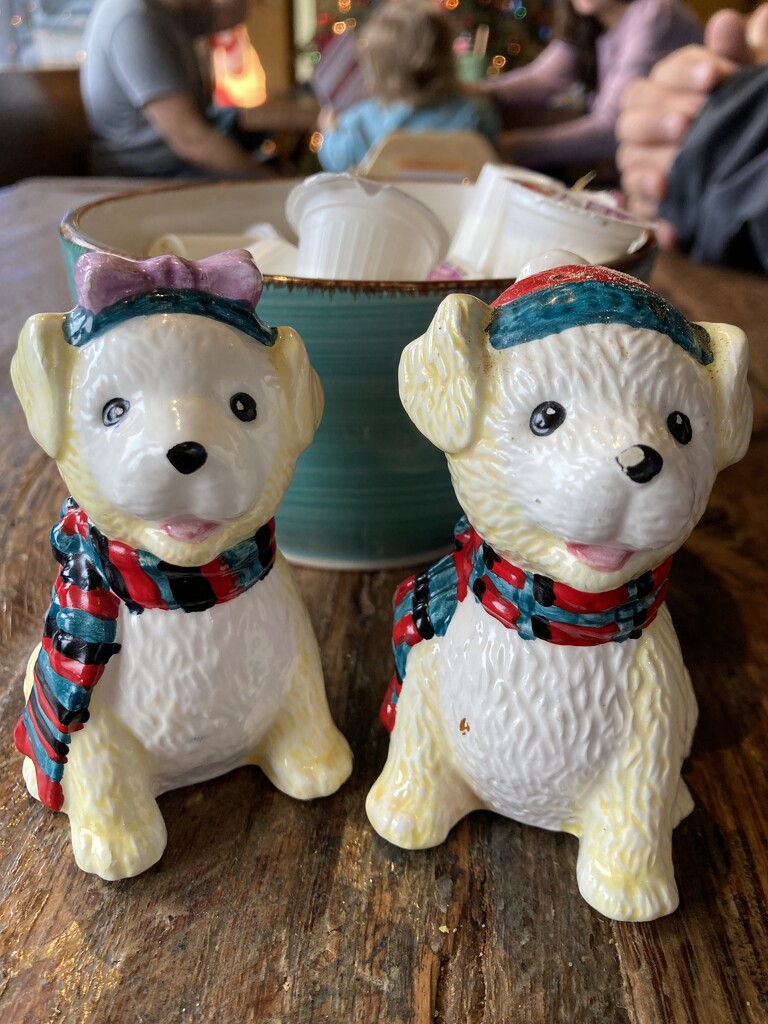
x,y
371,491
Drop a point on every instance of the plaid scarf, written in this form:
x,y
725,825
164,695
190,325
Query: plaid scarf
x,y
537,607
95,577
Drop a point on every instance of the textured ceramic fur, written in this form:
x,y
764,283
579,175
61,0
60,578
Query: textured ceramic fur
x,y
585,739
189,695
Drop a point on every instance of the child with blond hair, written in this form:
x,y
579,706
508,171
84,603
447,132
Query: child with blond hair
x,y
406,51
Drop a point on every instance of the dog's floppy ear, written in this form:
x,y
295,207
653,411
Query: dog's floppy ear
x,y
40,370
440,373
301,385
733,401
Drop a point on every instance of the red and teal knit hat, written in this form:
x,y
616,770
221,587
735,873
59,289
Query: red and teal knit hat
x,y
556,299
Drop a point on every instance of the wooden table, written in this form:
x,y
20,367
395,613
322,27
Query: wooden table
x,y
266,910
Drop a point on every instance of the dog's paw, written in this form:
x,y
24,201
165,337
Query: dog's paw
x,y
406,819
118,849
306,773
401,827
641,897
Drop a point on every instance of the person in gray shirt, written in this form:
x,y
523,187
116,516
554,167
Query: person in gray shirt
x,y
145,93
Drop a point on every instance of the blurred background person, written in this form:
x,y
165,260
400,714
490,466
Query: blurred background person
x,y
599,46
147,95
694,144
406,50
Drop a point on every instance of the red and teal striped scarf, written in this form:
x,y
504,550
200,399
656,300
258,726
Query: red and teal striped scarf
x,y
535,606
96,575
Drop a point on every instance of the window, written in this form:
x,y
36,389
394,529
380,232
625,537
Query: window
x,y
42,33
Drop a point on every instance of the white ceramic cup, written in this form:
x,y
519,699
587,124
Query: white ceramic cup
x,y
355,229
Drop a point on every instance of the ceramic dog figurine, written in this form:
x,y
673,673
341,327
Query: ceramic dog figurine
x,y
177,645
584,421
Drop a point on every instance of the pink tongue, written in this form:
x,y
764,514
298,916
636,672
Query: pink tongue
x,y
596,556
189,528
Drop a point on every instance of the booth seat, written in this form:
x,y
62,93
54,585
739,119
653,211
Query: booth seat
x,y
43,127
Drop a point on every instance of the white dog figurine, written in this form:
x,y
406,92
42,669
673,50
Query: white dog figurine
x,y
176,418
584,421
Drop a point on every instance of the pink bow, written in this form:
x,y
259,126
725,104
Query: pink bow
x,y
102,279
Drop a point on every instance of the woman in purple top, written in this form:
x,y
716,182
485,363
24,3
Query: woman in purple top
x,y
599,46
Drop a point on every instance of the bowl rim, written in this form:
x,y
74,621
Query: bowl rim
x,y
70,229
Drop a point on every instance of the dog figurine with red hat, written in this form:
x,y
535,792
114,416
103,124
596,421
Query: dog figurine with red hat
x,y
538,673
177,645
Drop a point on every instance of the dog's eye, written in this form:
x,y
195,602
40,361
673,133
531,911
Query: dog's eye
x,y
679,427
243,406
115,410
546,418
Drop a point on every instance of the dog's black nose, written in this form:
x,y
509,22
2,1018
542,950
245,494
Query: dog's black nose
x,y
187,456
640,463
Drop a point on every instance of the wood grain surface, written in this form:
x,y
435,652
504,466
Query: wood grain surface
x,y
267,910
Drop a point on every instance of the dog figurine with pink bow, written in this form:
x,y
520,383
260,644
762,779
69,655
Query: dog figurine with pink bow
x,y
538,673
177,645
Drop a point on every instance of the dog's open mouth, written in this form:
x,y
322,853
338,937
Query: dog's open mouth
x,y
189,528
597,556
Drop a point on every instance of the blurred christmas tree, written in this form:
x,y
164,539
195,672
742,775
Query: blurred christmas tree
x,y
517,30
504,33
